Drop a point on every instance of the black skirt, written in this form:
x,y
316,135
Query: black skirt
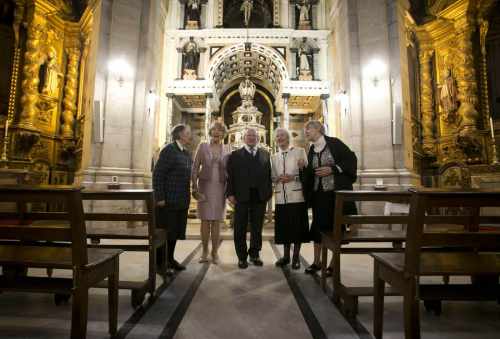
x,y
323,212
174,221
291,224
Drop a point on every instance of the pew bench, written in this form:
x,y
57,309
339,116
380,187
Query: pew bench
x,y
110,226
337,241
477,256
59,242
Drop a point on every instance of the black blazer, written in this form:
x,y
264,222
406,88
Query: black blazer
x,y
238,184
172,177
346,160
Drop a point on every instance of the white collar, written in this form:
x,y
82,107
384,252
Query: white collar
x,y
180,145
289,148
255,148
319,144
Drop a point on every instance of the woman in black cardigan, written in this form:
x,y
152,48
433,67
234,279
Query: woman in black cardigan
x,y
171,184
332,166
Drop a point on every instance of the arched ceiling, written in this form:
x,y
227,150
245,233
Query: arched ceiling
x,y
260,62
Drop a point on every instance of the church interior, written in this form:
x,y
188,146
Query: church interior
x,y
90,91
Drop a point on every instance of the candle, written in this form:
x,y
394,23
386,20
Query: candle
x,y
492,128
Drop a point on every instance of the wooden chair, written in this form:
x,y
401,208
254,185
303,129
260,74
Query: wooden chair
x,y
59,242
472,256
336,241
109,227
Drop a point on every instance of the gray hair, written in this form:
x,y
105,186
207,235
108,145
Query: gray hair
x,y
218,125
177,130
281,129
316,124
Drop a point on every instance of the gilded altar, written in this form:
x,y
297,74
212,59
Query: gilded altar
x,y
451,72
45,93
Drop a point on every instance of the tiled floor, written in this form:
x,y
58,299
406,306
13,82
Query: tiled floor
x,y
221,301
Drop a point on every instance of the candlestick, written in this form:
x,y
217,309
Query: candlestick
x,y
492,128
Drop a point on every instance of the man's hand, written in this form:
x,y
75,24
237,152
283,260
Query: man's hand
x,y
286,178
232,200
161,203
323,171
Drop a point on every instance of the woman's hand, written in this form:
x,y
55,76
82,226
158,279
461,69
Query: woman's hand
x,y
301,163
323,171
286,178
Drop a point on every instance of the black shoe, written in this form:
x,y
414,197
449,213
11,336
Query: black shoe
x,y
329,272
312,269
176,266
295,264
242,264
256,261
282,262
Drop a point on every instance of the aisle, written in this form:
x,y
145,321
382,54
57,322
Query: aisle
x,y
251,303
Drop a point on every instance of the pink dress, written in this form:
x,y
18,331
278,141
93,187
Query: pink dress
x,y
209,174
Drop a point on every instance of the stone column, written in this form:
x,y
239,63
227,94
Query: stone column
x,y
68,115
220,13
427,102
324,110
286,113
466,76
30,71
208,114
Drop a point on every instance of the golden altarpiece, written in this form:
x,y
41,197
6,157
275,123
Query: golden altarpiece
x,y
46,88
454,92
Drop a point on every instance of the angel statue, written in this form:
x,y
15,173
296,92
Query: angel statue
x,y
246,8
247,91
304,8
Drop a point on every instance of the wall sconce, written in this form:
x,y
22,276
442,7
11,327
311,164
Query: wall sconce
x,y
375,70
151,100
120,69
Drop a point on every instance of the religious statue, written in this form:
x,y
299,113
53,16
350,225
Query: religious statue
x,y
305,54
50,75
247,91
304,21
448,96
191,58
193,8
246,8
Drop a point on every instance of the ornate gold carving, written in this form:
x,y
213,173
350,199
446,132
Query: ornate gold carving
x,y
427,103
70,90
466,76
30,72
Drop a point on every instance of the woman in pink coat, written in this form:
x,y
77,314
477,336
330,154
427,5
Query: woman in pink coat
x,y
209,186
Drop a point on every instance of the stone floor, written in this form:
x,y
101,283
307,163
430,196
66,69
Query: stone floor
x,y
220,301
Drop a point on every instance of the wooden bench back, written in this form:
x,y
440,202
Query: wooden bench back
x,y
145,195
341,197
66,226
423,227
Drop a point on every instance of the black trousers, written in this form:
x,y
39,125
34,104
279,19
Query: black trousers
x,y
253,211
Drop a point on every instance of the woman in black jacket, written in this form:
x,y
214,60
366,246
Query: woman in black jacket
x,y
332,166
171,184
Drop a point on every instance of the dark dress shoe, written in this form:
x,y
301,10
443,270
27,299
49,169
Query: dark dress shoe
x,y
242,264
282,262
313,269
176,266
295,264
256,261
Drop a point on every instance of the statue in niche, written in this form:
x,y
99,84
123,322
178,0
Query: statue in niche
x,y
191,58
305,55
50,75
246,8
247,92
448,97
193,9
304,20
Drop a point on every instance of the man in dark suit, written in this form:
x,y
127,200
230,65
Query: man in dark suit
x,y
332,166
171,184
249,187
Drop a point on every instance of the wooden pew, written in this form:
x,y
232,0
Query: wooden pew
x,y
58,243
109,227
475,256
336,241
